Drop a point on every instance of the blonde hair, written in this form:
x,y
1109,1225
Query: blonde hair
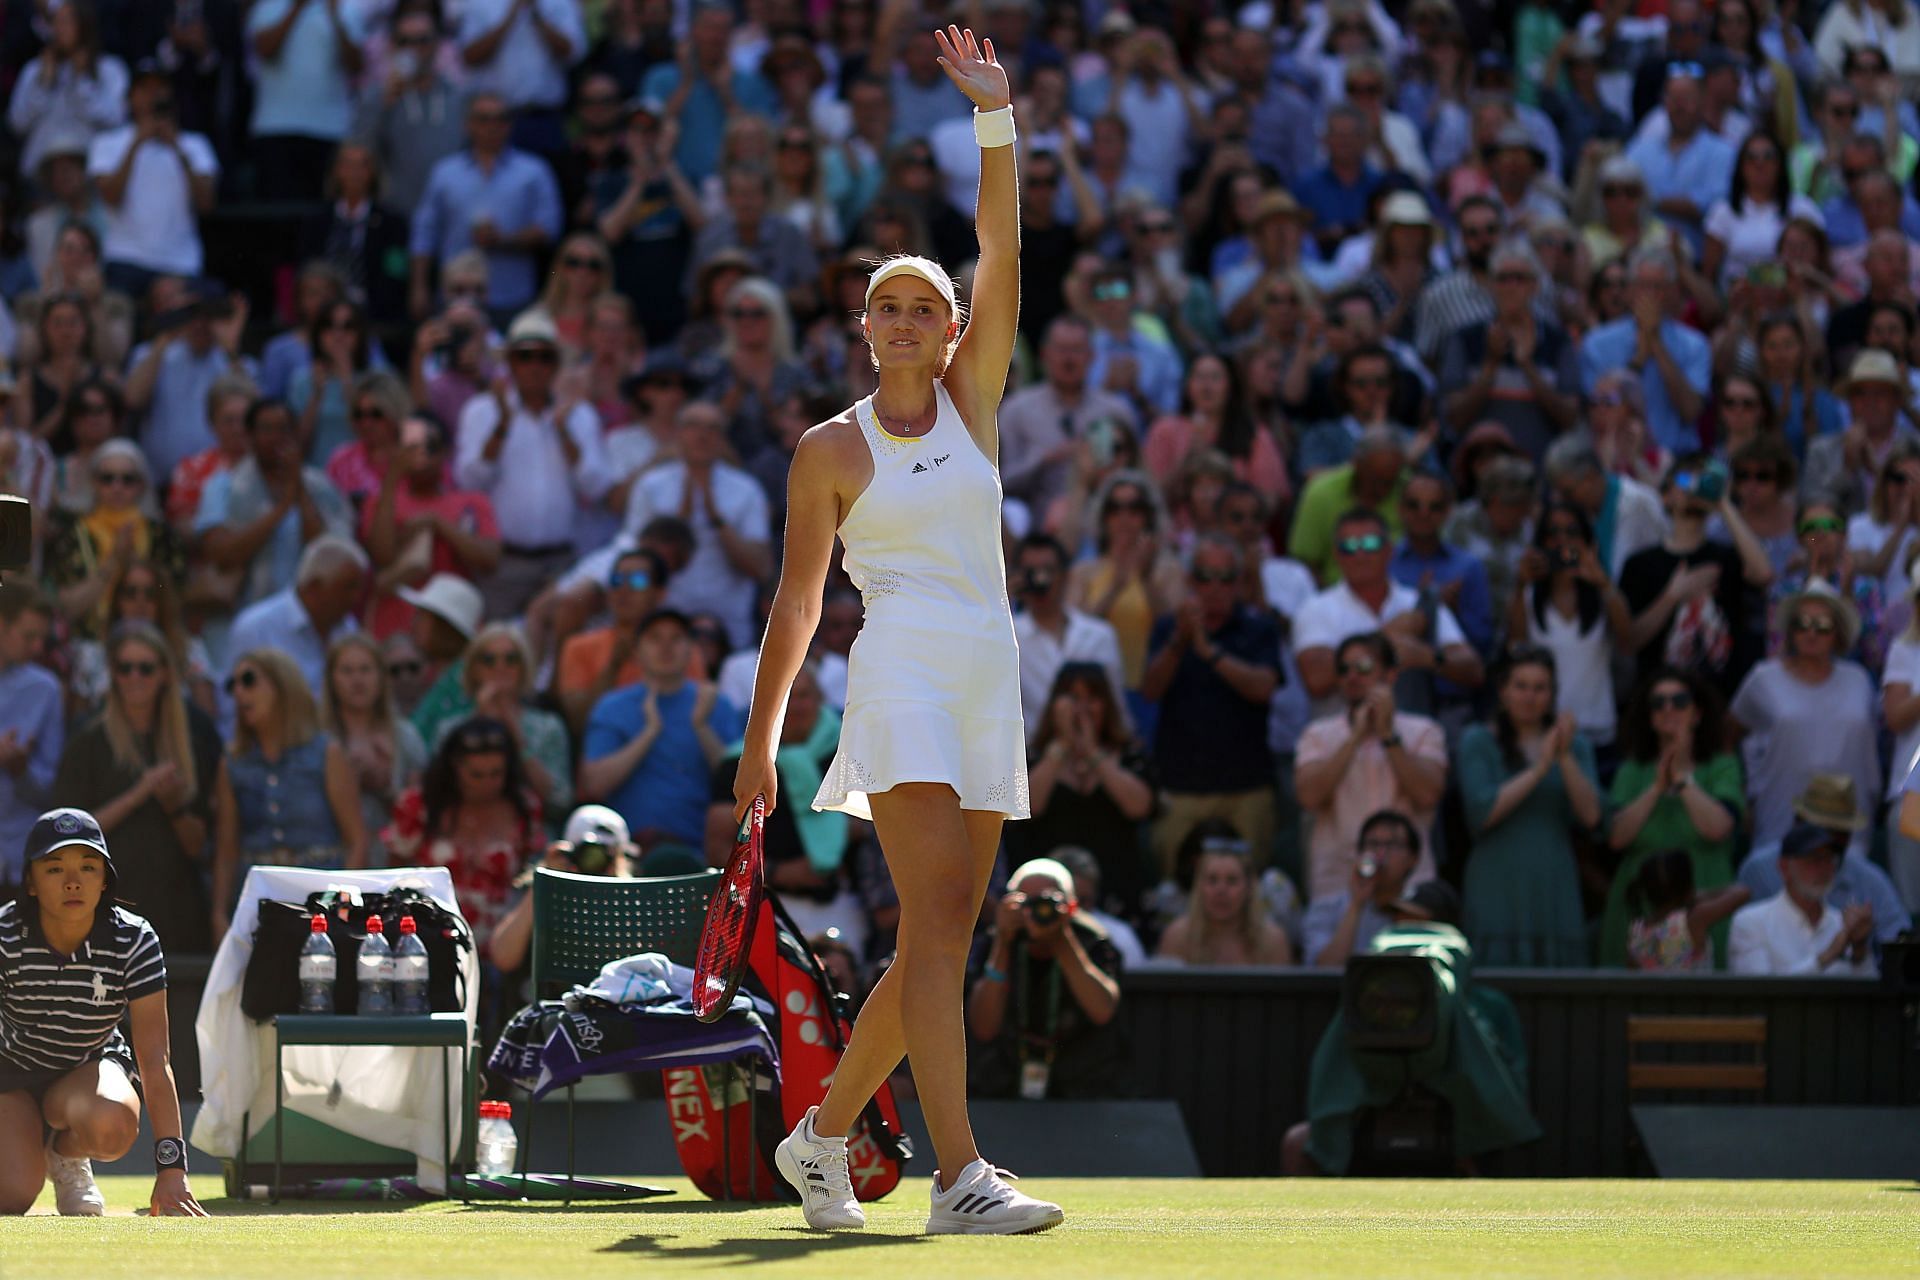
x,y
172,742
551,299
934,274
767,294
1203,940
298,716
469,674
382,701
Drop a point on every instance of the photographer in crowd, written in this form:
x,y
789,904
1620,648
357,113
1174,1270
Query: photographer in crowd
x,y
1041,1009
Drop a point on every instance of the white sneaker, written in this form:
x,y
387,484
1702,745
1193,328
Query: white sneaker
x,y
817,1168
74,1190
980,1203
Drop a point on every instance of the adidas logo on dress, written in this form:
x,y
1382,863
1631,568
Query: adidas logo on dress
x,y
918,467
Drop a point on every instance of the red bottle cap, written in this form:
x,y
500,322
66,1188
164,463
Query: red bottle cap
x,y
374,925
319,925
407,925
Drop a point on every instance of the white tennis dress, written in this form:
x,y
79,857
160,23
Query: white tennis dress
x,y
933,681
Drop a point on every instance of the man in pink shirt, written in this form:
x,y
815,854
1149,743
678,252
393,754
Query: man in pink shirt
x,y
421,526
1369,757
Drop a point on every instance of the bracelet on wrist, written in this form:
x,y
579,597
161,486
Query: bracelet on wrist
x,y
992,974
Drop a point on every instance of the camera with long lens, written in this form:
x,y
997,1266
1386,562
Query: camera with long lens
x,y
1043,909
588,857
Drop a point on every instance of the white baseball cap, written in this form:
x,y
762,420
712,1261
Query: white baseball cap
x,y
597,824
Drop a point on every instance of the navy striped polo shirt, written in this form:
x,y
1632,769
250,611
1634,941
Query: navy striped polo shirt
x,y
55,1010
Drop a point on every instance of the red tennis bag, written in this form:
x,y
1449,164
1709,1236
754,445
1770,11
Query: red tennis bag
x,y
728,1118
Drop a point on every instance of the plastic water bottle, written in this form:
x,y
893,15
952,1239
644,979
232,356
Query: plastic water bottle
x,y
374,970
318,968
410,972
495,1146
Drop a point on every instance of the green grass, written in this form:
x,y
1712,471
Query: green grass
x,y
1239,1230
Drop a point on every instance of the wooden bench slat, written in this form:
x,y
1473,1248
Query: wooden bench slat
x,y
1697,1075
1660,1029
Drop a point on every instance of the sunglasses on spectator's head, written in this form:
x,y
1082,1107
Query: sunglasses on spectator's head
x,y
1821,524
1359,665
1679,700
136,667
246,679
404,669
475,739
1362,544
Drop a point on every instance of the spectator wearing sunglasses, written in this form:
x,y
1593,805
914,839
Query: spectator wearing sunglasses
x,y
1366,598
419,525
650,748
536,453
1127,360
477,814
145,768
1809,710
1568,606
1214,668
410,117
1367,756
496,682
1678,789
88,554
285,795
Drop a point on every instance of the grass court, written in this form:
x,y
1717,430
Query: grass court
x,y
1184,1229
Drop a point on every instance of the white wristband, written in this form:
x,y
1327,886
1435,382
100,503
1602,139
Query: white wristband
x,y
993,128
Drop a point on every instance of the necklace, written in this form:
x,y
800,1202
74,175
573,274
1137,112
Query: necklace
x,y
905,428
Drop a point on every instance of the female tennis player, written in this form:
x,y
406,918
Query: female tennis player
x,y
932,747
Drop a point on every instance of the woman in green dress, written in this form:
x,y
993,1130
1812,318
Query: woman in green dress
x,y
1677,788
1528,781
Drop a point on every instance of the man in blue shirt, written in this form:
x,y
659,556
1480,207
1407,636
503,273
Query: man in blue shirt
x,y
1127,360
1425,562
1674,363
1692,166
306,55
521,49
1338,191
489,197
702,108
32,723
651,747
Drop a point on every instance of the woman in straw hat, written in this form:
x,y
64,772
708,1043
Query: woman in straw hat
x,y
932,747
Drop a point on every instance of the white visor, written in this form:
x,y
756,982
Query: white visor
x,y
924,268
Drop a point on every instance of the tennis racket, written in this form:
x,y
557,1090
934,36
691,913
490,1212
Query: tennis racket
x,y
727,940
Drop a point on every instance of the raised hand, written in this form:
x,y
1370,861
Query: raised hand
x,y
974,71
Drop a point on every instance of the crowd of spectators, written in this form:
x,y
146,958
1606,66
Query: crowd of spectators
x,y
1460,445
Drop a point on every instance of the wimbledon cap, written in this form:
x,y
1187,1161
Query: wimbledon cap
x,y
58,829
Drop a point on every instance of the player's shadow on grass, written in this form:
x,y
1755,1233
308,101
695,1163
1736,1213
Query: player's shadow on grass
x,y
738,1252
